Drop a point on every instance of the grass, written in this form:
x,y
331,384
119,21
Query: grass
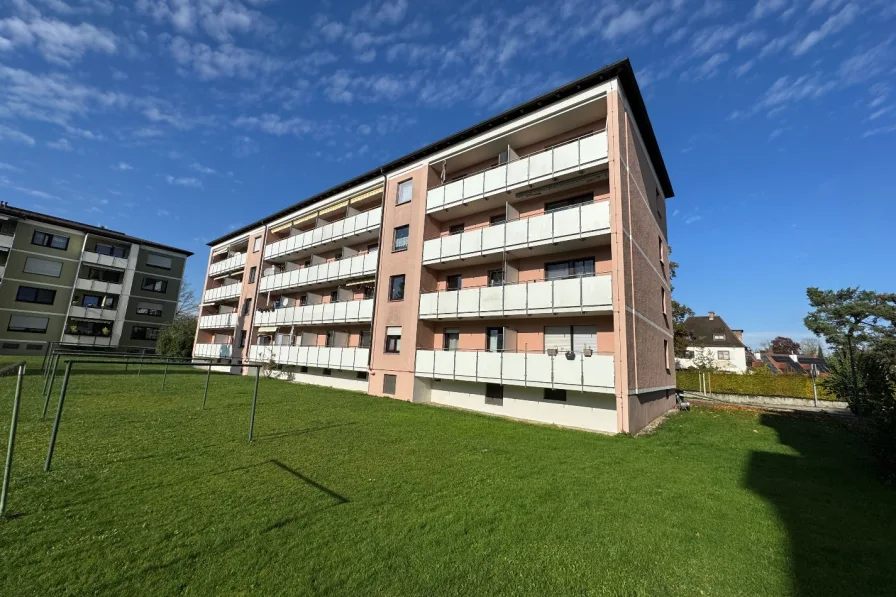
x,y
345,494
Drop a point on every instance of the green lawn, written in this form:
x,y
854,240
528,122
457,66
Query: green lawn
x,y
345,494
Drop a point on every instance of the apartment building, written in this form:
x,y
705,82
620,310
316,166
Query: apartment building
x,y
81,285
517,268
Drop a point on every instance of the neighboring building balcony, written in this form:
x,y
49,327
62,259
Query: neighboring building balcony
x,y
219,321
98,286
104,260
580,222
88,332
91,312
323,313
323,357
530,369
365,224
567,296
231,264
332,271
569,158
212,351
2,271
86,340
223,293
6,241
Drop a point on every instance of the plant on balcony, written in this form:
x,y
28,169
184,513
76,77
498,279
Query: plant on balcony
x,y
105,331
73,329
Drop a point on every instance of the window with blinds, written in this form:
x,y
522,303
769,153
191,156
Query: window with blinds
x,y
400,241
26,323
43,267
570,337
150,309
159,261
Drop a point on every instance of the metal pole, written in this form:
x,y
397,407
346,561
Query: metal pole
x,y
49,389
208,376
814,386
68,372
254,402
139,367
12,439
165,375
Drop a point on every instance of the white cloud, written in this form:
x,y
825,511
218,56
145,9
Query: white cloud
x,y
389,12
744,68
629,20
274,125
56,41
692,219
123,166
9,167
202,169
11,134
220,19
7,184
831,26
748,40
710,68
60,145
227,60
884,130
184,181
764,8
712,39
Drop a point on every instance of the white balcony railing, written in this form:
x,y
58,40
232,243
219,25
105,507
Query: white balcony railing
x,y
531,369
104,260
344,312
87,340
351,267
223,293
584,221
91,312
98,286
219,321
230,264
346,359
589,294
6,241
212,351
568,158
363,222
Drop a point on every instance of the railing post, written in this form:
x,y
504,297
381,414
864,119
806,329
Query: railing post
x,y
17,400
68,371
165,376
254,402
208,377
49,388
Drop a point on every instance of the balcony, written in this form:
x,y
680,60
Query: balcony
x,y
231,264
6,241
86,340
223,293
343,312
566,159
346,359
566,296
219,321
212,351
104,260
591,220
530,369
98,286
332,271
91,312
364,224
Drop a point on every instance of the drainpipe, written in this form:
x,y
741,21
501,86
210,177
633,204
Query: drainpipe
x,y
379,255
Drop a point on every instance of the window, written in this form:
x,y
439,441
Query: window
x,y
334,296
393,339
662,252
405,190
41,296
330,339
494,339
494,394
497,219
364,341
109,250
10,346
154,285
43,267
576,338
103,275
722,355
496,277
552,394
24,323
569,269
396,288
253,271
389,384
139,332
666,353
663,302
328,372
158,261
256,244
368,292
451,339
53,241
337,256
149,309
303,369
400,242
455,282
247,306
89,300
307,263
689,354
362,375
303,300
456,229
567,203
242,342
718,336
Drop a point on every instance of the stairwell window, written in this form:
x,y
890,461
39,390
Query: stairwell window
x,y
396,288
253,271
666,354
405,190
393,339
400,240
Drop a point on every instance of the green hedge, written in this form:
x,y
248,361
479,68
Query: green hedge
x,y
758,384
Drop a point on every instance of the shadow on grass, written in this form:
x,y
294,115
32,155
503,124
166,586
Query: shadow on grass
x,y
838,516
340,499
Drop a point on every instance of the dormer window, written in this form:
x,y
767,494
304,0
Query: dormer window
x,y
718,336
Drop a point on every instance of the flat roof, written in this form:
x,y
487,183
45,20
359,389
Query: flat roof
x,y
621,70
16,212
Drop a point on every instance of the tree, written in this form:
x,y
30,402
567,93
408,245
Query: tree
x,y
811,347
681,338
176,338
187,305
785,345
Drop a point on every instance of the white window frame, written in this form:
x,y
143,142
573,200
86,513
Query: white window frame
x,y
405,184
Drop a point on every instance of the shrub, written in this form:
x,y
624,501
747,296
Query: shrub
x,y
759,383
176,338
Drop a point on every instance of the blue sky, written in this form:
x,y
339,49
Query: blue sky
x,y
179,120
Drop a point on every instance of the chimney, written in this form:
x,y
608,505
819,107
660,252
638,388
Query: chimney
x,y
712,315
739,334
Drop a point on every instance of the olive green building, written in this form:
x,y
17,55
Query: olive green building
x,y
77,284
